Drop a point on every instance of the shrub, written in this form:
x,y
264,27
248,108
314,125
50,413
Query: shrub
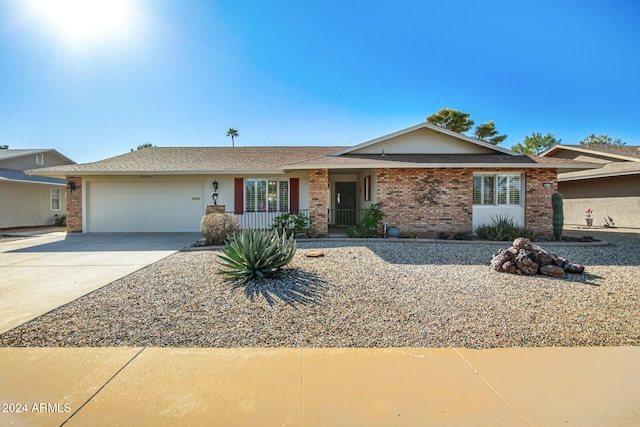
x,y
503,228
368,226
256,254
291,224
59,220
216,227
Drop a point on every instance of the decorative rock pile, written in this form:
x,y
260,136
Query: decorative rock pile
x,y
525,258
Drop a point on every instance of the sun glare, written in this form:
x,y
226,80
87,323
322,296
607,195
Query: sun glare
x,y
85,21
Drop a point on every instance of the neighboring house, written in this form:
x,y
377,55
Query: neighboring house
x,y
611,191
30,200
428,180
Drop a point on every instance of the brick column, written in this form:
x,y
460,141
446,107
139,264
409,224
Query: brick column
x,y
74,205
318,200
538,212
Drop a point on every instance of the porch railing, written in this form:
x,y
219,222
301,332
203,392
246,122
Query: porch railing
x,y
261,220
345,217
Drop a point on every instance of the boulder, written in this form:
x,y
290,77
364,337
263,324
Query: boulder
x,y
544,257
525,258
525,263
552,270
522,243
574,268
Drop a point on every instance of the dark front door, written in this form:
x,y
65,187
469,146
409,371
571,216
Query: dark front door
x,y
345,202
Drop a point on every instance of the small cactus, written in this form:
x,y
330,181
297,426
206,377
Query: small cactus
x,y
558,215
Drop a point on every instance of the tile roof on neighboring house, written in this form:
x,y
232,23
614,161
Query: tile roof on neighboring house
x,y
607,170
194,160
619,150
622,160
615,152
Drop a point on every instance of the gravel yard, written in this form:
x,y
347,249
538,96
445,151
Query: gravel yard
x,y
360,294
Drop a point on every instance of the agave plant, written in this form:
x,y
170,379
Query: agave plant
x,y
256,254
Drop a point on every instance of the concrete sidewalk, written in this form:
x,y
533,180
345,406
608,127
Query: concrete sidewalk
x,y
42,273
320,387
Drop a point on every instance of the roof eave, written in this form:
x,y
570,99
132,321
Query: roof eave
x,y
600,175
26,181
572,167
64,174
587,151
425,125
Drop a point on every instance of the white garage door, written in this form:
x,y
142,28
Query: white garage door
x,y
144,206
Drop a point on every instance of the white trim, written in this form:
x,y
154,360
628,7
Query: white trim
x,y
426,125
85,188
278,181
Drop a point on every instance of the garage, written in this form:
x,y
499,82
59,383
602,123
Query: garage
x,y
133,206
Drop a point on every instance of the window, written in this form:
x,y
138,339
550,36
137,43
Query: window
x,y
55,199
497,189
39,159
262,195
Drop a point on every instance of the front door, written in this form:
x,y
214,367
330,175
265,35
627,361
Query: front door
x,y
345,203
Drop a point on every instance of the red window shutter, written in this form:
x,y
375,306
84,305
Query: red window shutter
x,y
294,195
238,196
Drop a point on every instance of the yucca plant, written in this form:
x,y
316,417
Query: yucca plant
x,y
256,254
503,228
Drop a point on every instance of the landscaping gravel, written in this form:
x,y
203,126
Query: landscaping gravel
x,y
359,294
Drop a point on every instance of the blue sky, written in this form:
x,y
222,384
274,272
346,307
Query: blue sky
x,y
317,73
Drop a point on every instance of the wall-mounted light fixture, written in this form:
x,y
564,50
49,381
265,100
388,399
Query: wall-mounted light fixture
x,y
71,186
214,195
547,185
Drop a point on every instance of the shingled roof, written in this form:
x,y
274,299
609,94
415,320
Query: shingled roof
x,y
274,160
437,161
193,161
614,152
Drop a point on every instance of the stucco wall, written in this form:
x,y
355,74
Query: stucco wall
x,y
617,197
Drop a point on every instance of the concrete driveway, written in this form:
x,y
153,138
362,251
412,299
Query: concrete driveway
x,y
42,273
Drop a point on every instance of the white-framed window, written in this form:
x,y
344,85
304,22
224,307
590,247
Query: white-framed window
x,y
497,189
39,159
55,199
262,195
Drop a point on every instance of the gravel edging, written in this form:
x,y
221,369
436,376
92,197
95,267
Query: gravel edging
x,y
360,294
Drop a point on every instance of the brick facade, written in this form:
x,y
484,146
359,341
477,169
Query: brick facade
x,y
318,200
424,202
538,212
74,205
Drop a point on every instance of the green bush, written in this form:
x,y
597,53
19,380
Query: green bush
x,y
256,254
368,226
291,224
503,228
59,220
216,227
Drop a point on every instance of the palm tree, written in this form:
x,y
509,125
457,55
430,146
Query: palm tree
x,y
232,133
